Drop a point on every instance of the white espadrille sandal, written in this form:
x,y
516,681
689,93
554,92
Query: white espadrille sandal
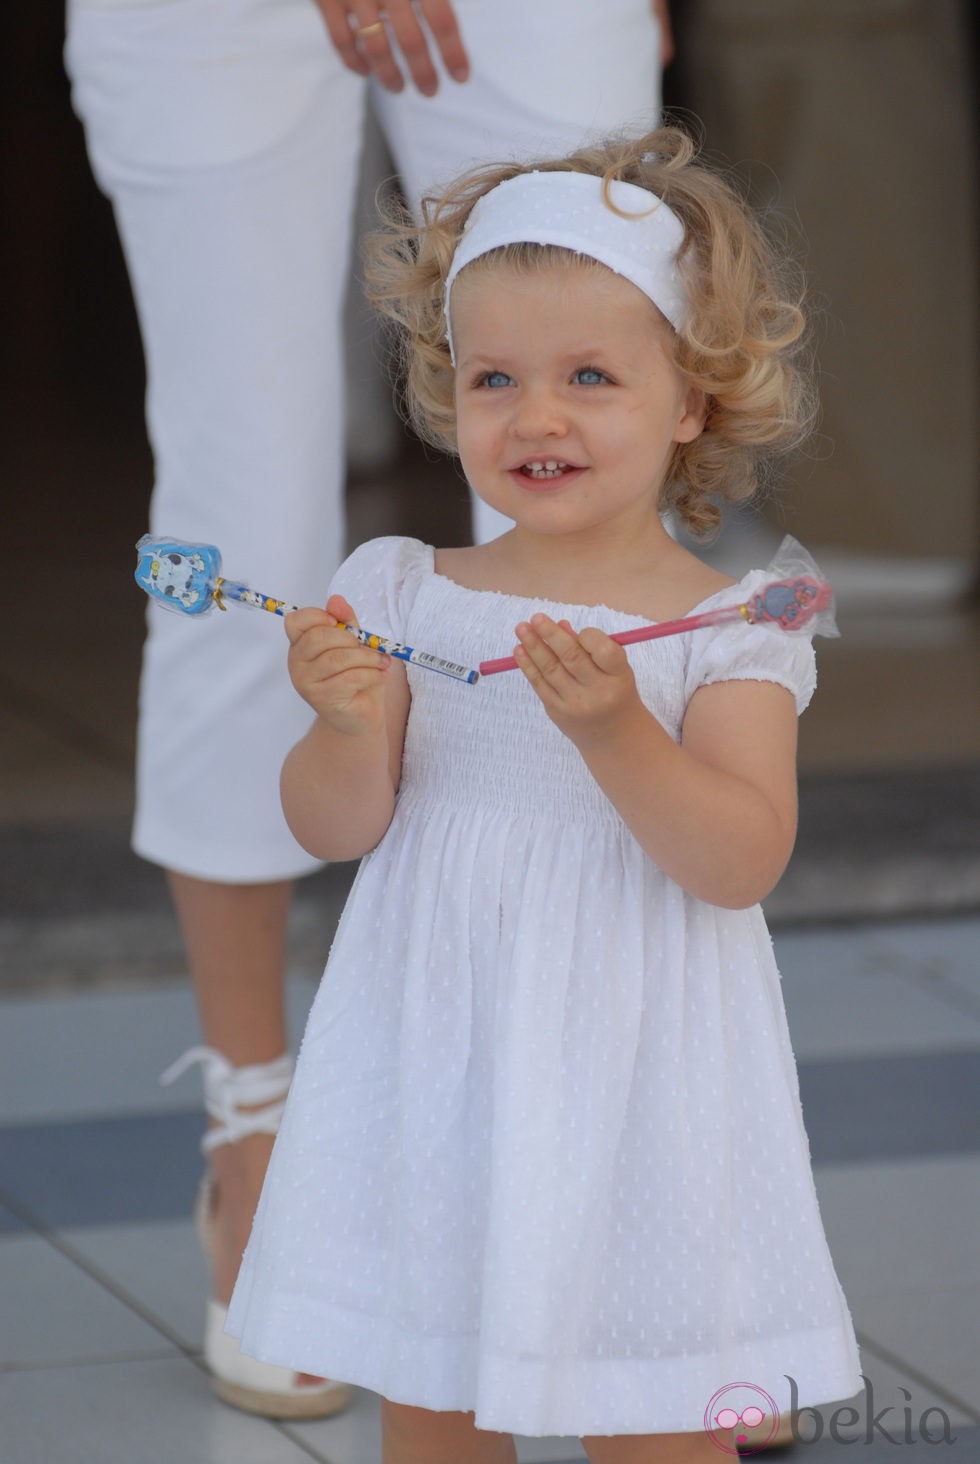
x,y
243,1101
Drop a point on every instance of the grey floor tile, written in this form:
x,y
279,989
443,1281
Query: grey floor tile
x,y
886,1380
892,1106
159,1266
934,1331
880,1449
141,1412
102,1171
98,1052
11,1224
53,1312
102,1051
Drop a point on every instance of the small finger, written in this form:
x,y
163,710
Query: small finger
x,y
298,622
561,640
537,659
342,610
607,654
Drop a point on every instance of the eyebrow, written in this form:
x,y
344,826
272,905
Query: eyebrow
x,y
578,354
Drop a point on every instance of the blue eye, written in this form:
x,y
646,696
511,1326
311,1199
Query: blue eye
x,y
590,376
498,378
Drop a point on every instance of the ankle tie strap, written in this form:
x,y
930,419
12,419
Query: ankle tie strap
x,y
242,1101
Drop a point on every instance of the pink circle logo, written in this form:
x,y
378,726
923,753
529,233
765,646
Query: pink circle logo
x,y
739,1407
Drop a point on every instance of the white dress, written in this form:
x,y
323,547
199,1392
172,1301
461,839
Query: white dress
x,y
543,1156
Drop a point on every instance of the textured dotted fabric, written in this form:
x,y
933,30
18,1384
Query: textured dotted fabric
x,y
543,1155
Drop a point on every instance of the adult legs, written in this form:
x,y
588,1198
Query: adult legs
x,y
232,185
234,936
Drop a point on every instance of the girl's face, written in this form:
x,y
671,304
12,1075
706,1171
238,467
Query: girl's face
x,y
568,404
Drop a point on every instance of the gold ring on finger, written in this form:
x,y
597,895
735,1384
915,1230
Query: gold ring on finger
x,y
375,28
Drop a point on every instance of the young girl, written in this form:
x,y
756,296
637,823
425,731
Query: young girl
x,y
543,1168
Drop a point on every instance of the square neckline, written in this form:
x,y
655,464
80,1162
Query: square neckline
x,y
544,601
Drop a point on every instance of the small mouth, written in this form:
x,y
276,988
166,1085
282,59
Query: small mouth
x,y
545,470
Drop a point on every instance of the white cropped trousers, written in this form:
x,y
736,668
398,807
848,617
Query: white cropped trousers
x,y
228,135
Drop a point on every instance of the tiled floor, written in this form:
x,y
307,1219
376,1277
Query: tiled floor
x,y
102,1281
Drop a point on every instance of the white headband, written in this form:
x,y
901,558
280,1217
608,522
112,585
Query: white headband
x,y
570,209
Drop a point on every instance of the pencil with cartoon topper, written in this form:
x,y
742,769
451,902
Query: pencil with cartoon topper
x,y
187,577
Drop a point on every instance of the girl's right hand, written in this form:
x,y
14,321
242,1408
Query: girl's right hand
x,y
341,679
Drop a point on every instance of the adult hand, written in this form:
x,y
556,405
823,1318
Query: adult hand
x,y
365,35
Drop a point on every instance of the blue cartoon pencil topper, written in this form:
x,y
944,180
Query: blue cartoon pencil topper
x,y
181,576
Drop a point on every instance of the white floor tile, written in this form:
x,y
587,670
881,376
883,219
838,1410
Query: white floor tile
x,y
848,993
958,938
905,1245
940,951
549,1451
54,1313
159,1265
808,954
895,1227
157,1412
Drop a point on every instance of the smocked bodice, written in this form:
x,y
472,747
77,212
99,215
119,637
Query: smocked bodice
x,y
492,745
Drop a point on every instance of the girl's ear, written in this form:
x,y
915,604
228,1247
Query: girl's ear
x,y
693,417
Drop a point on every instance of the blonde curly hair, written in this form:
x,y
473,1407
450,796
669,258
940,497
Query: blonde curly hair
x,y
744,345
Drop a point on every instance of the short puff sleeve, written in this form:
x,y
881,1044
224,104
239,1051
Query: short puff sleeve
x,y
380,581
743,652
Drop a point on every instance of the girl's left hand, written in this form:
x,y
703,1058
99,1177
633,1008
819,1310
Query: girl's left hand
x,y
584,680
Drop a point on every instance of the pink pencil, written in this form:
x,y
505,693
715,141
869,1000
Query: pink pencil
x,y
790,604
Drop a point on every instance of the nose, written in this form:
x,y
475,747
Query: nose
x,y
539,412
